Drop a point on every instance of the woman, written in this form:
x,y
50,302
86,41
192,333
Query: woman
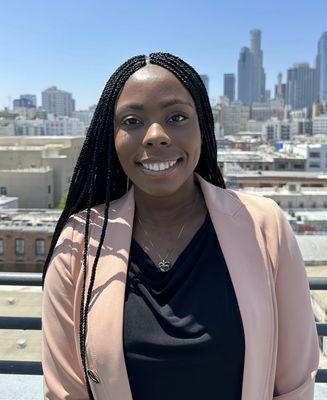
x,y
160,282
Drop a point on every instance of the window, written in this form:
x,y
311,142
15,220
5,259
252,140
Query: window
x,y
314,154
281,166
3,190
49,188
2,249
40,247
298,166
20,247
314,165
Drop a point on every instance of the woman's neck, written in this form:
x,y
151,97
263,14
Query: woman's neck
x,y
166,211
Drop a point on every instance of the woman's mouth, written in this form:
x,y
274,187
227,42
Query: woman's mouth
x,y
160,169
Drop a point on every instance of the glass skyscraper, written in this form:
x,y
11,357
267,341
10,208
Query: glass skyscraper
x,y
322,67
229,86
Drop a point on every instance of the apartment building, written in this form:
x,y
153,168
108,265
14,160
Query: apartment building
x,y
52,157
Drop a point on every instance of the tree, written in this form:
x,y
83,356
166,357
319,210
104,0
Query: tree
x,y
62,202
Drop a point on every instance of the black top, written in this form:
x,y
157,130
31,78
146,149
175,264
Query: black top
x,y
183,334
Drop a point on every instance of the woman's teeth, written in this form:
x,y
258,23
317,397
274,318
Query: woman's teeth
x,y
159,166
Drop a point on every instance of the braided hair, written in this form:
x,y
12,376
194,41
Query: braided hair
x,y
98,166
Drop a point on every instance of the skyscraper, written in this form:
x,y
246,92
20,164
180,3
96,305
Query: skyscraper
x,y
251,74
25,100
245,76
280,88
30,97
259,77
229,86
301,86
58,101
322,68
205,80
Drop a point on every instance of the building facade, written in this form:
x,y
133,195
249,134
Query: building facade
x,y
322,67
25,237
319,125
229,86
64,126
58,102
33,186
245,76
251,74
59,153
234,118
301,86
259,78
205,80
30,97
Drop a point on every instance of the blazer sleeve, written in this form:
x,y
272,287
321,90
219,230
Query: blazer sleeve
x,y
298,349
63,376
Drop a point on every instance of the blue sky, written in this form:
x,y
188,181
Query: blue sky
x,y
77,45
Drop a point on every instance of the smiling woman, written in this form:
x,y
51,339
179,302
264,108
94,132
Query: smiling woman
x,y
160,282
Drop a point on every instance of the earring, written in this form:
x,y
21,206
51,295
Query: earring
x,y
127,180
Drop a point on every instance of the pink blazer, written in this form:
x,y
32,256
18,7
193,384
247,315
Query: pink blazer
x,y
269,279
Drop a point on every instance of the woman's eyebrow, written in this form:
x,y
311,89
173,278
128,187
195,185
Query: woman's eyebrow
x,y
163,104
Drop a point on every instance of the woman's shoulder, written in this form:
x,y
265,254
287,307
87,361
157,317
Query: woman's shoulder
x,y
96,211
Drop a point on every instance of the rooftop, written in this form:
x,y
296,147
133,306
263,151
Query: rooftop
x,y
285,190
29,220
285,174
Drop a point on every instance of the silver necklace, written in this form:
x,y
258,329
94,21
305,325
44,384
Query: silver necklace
x,y
163,265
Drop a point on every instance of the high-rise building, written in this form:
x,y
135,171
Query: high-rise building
x,y
267,95
19,103
234,118
321,66
205,80
58,101
301,86
229,86
251,74
259,78
280,88
25,100
245,76
30,97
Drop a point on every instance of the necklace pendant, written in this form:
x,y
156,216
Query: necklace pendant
x,y
164,265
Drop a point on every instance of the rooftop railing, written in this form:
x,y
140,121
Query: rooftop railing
x,y
34,323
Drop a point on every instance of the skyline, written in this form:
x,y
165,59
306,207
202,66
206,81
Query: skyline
x,y
76,46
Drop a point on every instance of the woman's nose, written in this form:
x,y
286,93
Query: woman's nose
x,y
156,136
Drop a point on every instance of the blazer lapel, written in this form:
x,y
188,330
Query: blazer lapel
x,y
104,342
243,247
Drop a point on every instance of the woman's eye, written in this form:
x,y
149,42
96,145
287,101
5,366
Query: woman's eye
x,y
179,115
129,119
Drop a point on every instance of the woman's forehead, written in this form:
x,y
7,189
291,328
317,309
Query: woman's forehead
x,y
152,72
152,80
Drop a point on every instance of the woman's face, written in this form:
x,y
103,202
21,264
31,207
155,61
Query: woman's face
x,y
157,133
